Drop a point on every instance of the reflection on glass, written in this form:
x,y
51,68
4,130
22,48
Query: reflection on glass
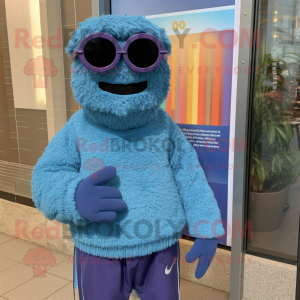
x,y
275,156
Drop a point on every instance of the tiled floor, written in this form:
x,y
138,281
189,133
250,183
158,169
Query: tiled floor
x,y
19,282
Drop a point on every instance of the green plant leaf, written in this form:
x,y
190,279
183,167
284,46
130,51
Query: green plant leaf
x,y
271,158
271,135
283,136
276,107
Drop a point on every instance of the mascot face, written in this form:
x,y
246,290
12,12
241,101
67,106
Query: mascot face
x,y
119,98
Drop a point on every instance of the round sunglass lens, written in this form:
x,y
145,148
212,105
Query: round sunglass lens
x,y
100,52
143,53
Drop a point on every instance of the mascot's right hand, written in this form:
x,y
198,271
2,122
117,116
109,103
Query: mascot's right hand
x,y
96,202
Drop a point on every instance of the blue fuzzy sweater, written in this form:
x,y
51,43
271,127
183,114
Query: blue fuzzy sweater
x,y
158,172
154,175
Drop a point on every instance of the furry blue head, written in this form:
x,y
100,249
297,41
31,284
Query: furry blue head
x,y
107,108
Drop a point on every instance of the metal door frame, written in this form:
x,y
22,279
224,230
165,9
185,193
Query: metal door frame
x,y
100,7
245,87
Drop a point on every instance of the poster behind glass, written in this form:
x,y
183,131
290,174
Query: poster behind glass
x,y
203,82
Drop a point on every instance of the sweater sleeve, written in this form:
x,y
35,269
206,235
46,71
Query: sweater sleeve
x,y
56,177
200,206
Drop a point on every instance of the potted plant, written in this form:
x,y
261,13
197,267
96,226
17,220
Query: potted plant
x,y
274,165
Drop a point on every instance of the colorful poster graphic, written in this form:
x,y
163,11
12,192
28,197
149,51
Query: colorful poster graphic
x,y
200,98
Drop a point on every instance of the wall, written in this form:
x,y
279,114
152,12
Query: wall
x,y
73,12
23,125
27,125
24,37
8,131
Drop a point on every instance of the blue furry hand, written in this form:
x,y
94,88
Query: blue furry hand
x,y
205,250
99,203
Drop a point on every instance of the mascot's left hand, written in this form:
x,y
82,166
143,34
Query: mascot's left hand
x,y
204,249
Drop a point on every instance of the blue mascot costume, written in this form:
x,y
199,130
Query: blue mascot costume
x,y
121,173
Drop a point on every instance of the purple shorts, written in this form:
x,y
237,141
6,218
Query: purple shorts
x,y
153,276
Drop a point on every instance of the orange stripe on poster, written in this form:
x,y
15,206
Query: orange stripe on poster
x,y
182,86
215,110
190,75
169,99
196,47
201,85
175,69
221,85
210,39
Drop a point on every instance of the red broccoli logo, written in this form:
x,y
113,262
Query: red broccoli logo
x,y
40,68
39,258
93,165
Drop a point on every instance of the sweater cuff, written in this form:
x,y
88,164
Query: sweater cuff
x,y
207,230
68,210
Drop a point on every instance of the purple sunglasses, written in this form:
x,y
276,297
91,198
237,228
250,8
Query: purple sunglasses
x,y
100,52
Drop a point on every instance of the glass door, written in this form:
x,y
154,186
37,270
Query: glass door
x,y
274,199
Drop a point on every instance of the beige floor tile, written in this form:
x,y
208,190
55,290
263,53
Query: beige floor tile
x,y
76,294
5,238
66,293
37,288
194,291
6,263
64,270
17,249
133,296
14,277
59,257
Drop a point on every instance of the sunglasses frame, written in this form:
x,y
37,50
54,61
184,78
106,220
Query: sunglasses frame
x,y
119,51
